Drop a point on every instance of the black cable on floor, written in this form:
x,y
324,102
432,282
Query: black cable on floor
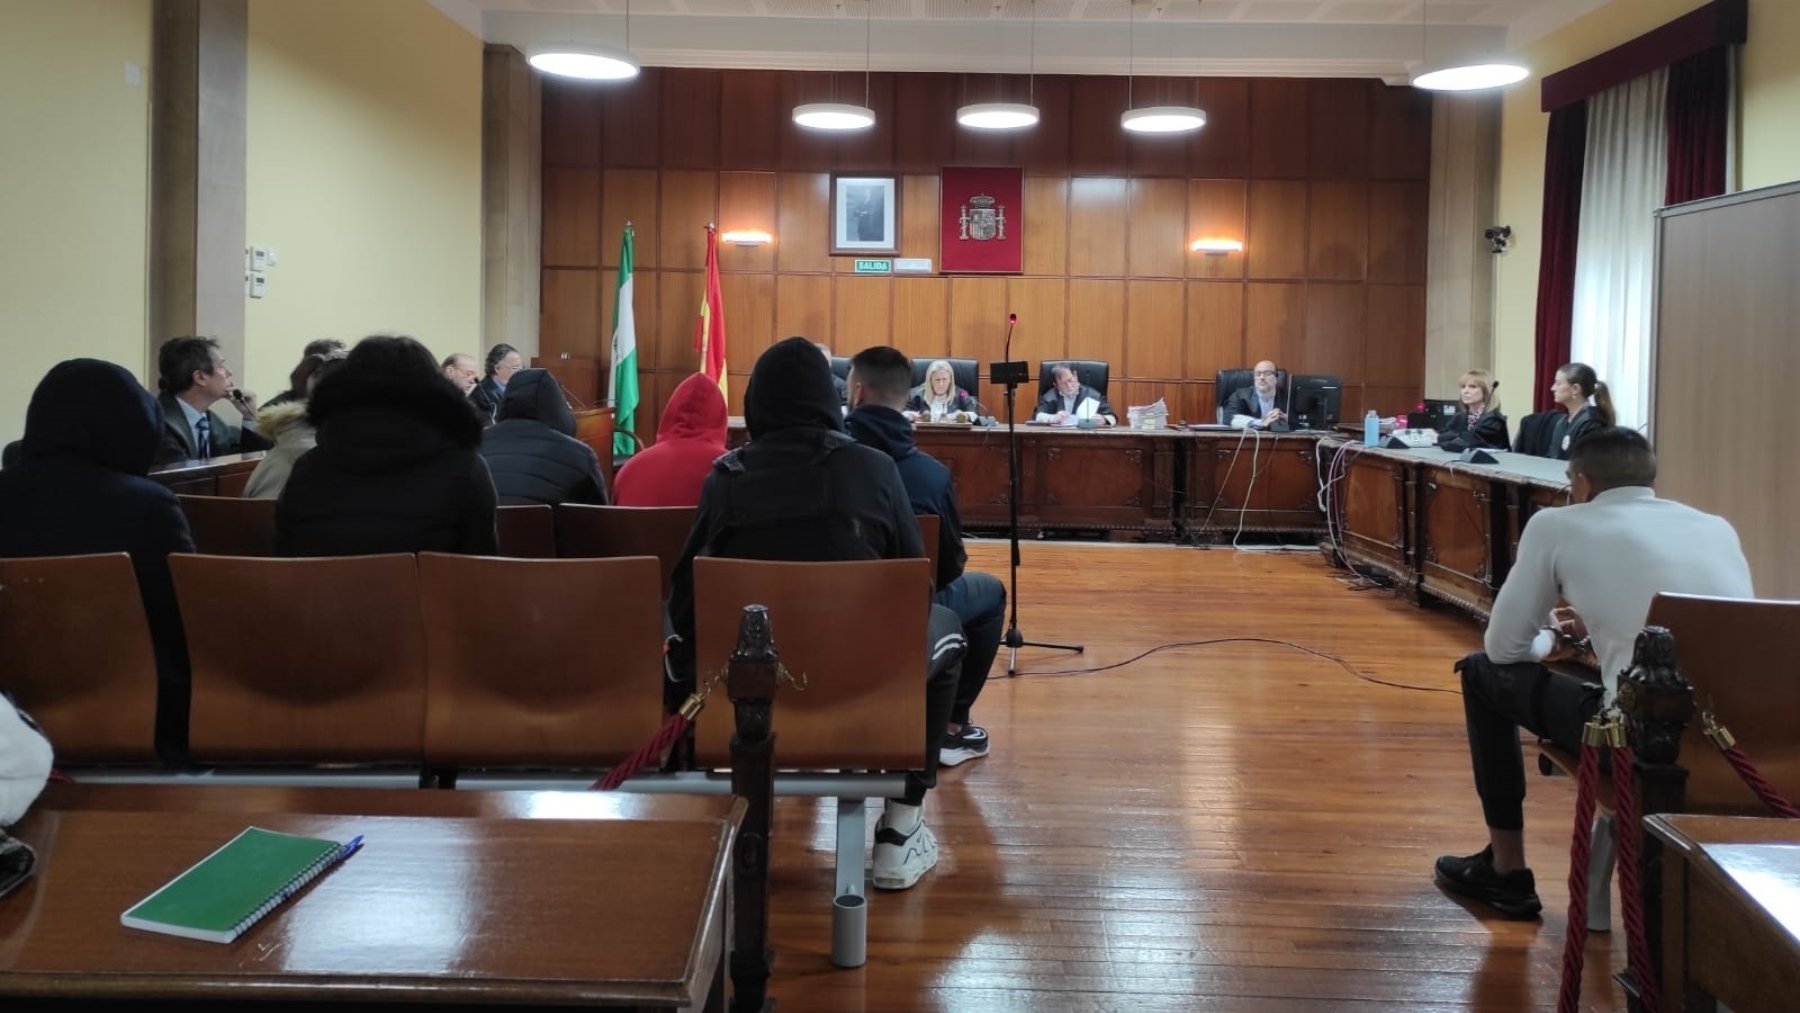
x,y
1340,662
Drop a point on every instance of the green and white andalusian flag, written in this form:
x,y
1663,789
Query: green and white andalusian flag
x,y
624,395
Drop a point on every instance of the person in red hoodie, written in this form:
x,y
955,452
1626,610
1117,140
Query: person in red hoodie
x,y
689,439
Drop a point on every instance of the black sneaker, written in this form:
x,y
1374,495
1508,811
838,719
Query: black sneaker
x,y
1513,894
969,744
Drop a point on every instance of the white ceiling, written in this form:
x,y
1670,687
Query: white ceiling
x,y
1305,38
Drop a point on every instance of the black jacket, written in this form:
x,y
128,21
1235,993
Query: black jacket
x,y
1489,431
395,470
178,436
1051,401
78,487
928,486
1243,402
801,490
486,398
532,451
1571,429
1535,431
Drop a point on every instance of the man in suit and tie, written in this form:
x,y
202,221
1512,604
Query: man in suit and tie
x,y
1064,400
1262,405
193,376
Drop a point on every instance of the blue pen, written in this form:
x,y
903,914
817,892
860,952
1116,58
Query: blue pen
x,y
352,846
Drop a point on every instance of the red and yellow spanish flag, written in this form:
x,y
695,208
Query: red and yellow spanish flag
x,y
709,329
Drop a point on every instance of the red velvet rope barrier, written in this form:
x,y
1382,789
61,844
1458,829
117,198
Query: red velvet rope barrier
x,y
673,729
1580,846
1631,898
1759,784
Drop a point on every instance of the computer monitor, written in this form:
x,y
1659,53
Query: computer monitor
x,y
1315,401
1434,413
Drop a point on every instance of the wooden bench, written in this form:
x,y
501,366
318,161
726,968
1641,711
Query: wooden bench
x,y
586,531
78,655
230,525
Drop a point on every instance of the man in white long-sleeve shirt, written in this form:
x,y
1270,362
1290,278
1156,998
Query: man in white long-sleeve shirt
x,y
1607,556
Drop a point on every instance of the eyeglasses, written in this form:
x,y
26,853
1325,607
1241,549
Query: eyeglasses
x,y
1265,372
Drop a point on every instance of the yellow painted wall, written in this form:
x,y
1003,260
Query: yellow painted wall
x,y
73,190
364,174
1770,153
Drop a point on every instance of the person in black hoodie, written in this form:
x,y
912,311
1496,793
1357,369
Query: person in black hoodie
x,y
395,468
750,509
880,380
79,486
532,452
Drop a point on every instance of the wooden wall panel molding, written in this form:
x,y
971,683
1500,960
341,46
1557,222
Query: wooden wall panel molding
x,y
1276,244
1216,209
689,202
749,315
1337,231
922,316
629,195
1215,328
1098,210
802,307
1157,223
567,321
864,313
572,234
1097,320
802,218
1278,141
747,201
1156,330
1327,183
1042,305
1337,139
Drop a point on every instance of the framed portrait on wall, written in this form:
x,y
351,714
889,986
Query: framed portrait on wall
x,y
865,215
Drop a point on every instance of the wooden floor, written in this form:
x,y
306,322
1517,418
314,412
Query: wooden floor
x,y
1230,827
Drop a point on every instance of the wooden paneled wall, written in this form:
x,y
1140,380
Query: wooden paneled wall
x,y
1326,181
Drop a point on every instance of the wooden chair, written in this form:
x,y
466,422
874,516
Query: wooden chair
x,y
928,530
78,655
527,532
536,663
583,531
1728,649
856,633
231,525
303,661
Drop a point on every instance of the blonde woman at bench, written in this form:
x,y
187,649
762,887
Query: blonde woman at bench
x,y
1608,556
803,491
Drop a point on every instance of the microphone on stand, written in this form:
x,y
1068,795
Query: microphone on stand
x,y
1012,320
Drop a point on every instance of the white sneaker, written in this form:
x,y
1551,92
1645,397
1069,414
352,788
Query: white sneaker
x,y
901,859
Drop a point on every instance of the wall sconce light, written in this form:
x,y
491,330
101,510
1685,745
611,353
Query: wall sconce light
x,y
747,237
1217,246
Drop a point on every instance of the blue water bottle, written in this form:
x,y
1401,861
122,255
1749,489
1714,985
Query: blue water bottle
x,y
1371,429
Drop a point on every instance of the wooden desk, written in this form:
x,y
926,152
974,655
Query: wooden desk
x,y
1731,912
225,475
1163,483
1438,527
434,909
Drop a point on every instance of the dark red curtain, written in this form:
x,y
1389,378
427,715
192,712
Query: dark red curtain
x,y
1698,115
1564,158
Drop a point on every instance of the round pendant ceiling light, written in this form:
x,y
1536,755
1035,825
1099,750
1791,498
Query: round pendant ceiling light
x,y
1006,115
1174,119
834,116
840,116
1470,77
1474,75
997,115
1163,119
587,63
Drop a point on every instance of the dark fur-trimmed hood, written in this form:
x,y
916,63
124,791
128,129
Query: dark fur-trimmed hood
x,y
371,422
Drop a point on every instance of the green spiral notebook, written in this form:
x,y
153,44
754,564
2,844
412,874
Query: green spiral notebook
x,y
231,889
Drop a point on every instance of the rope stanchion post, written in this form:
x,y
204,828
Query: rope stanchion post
x,y
1657,703
750,681
1587,777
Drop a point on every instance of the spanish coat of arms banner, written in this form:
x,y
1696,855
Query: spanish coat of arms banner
x,y
982,221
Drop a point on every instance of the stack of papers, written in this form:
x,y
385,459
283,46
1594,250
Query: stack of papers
x,y
1150,416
